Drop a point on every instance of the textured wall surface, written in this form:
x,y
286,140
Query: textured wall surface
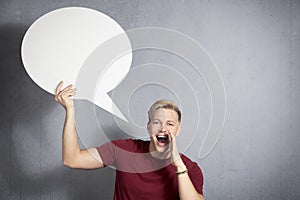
x,y
256,46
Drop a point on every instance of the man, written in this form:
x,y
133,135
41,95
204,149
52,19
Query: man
x,y
145,169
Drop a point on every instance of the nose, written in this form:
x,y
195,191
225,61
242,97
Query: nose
x,y
163,128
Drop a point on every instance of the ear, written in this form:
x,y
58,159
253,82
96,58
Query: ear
x,y
148,127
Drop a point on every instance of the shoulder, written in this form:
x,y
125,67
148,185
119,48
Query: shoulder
x,y
191,165
186,159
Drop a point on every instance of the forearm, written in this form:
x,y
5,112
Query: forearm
x,y
70,147
186,188
72,156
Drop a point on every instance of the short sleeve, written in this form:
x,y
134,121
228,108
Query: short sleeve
x,y
107,153
195,174
116,152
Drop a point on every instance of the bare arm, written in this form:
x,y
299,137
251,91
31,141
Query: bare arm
x,y
72,156
185,185
186,188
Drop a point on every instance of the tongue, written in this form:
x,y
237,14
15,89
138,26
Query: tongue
x,y
162,140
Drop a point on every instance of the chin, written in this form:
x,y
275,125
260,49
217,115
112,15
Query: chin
x,y
161,149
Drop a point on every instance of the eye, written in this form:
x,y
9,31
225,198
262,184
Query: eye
x,y
155,122
170,124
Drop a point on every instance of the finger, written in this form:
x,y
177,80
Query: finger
x,y
58,87
59,90
58,99
171,136
69,94
67,88
64,92
173,142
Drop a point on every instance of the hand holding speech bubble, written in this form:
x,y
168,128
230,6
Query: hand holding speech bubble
x,y
57,44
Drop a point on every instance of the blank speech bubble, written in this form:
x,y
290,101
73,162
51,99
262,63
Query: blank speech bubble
x,y
56,45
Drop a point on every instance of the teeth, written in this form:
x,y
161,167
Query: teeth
x,y
161,136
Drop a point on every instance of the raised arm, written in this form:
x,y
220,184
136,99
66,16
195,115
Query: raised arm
x,y
72,155
186,189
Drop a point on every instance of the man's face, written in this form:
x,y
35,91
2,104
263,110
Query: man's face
x,y
163,122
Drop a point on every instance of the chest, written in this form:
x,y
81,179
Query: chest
x,y
159,184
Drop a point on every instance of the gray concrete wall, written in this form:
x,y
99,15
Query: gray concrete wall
x,y
255,45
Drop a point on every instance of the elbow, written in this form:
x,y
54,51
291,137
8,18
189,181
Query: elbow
x,y
68,163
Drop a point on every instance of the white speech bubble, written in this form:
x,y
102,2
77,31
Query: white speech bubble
x,y
56,45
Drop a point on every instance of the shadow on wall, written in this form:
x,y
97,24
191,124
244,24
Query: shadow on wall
x,y
30,137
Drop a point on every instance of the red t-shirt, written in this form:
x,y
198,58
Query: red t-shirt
x,y
140,176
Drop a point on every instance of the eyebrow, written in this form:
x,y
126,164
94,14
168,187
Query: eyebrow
x,y
167,120
171,121
155,119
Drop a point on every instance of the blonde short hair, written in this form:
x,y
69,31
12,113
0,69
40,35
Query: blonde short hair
x,y
164,104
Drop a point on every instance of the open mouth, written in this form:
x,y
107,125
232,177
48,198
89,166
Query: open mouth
x,y
162,139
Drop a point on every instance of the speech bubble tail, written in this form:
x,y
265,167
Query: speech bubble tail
x,y
115,111
107,104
